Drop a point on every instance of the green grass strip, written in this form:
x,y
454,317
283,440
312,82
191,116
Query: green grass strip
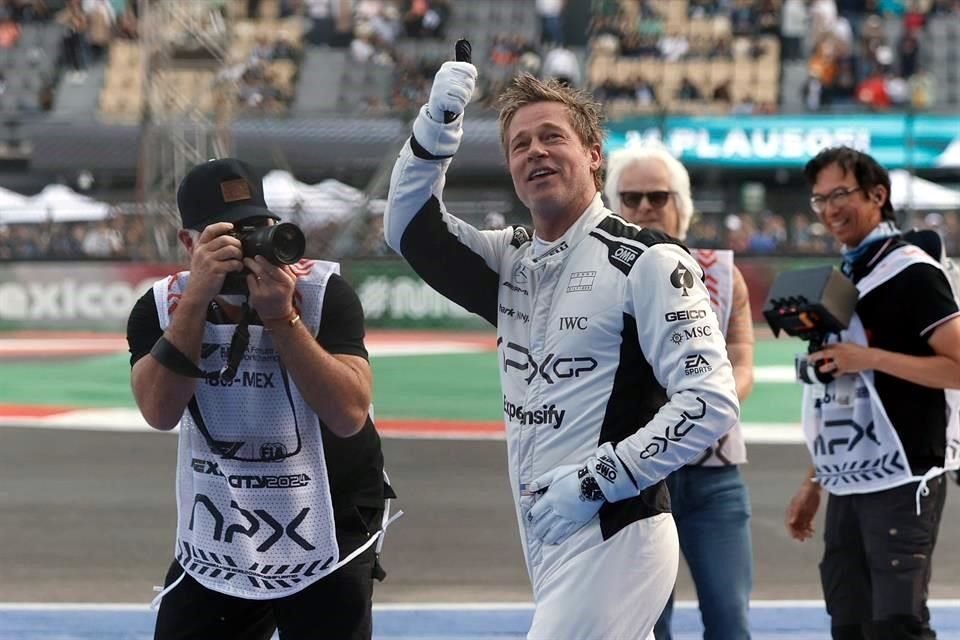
x,y
438,387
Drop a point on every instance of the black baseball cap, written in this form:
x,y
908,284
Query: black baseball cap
x,y
223,190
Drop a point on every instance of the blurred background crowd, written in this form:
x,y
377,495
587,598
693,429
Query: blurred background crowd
x,y
642,58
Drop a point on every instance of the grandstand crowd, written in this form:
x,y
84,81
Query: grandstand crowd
x,y
642,55
135,236
638,56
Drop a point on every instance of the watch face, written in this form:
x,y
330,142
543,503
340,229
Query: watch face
x,y
590,490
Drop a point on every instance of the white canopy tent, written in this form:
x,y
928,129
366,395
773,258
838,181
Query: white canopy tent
x,y
309,205
11,199
56,203
910,192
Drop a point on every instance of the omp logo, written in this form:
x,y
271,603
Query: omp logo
x,y
691,334
573,323
626,255
581,281
546,414
513,313
684,315
681,278
255,379
552,366
513,287
696,364
606,468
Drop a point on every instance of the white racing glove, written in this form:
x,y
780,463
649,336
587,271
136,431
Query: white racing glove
x,y
452,89
573,494
451,92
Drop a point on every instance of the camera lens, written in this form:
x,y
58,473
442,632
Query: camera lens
x,y
288,243
282,243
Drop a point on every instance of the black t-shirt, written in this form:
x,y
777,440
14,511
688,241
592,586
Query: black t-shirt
x,y
354,464
900,315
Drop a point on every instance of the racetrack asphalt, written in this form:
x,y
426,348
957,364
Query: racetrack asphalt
x,y
89,517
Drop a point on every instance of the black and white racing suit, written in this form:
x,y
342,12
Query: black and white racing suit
x,y
585,350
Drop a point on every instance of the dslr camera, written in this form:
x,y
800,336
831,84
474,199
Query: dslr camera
x,y
282,243
811,304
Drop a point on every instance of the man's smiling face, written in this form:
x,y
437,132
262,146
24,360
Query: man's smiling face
x,y
552,169
848,212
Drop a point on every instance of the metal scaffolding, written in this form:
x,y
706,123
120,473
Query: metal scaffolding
x,y
189,94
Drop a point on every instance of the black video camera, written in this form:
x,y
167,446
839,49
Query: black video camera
x,y
811,304
281,244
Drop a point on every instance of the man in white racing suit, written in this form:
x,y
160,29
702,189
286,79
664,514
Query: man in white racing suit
x,y
599,404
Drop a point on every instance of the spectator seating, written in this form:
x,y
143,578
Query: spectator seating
x,y
121,98
723,69
28,68
943,35
180,90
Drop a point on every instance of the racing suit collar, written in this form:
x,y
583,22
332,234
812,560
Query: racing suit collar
x,y
560,248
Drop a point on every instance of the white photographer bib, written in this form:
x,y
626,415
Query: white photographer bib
x,y
254,513
854,446
717,268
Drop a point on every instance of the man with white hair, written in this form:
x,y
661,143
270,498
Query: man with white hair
x,y
649,187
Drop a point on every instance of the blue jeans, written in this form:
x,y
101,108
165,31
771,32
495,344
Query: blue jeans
x,y
712,511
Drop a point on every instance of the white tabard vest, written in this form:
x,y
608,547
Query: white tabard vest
x,y
254,513
854,446
718,276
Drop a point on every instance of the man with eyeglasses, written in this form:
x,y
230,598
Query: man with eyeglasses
x,y
649,187
889,410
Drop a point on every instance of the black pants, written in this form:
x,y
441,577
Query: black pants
x,y
336,607
877,562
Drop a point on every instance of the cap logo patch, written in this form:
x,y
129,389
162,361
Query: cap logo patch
x,y
235,190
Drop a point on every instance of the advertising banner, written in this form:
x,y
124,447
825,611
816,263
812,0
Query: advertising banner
x,y
393,296
95,296
98,296
911,141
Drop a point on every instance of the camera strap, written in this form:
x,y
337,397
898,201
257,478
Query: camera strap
x,y
167,354
238,346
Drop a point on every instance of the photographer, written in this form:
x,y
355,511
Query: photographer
x,y
280,489
878,431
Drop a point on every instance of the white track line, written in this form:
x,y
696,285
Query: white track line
x,y
427,606
130,421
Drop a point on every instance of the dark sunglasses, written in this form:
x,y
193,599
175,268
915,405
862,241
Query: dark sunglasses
x,y
657,199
